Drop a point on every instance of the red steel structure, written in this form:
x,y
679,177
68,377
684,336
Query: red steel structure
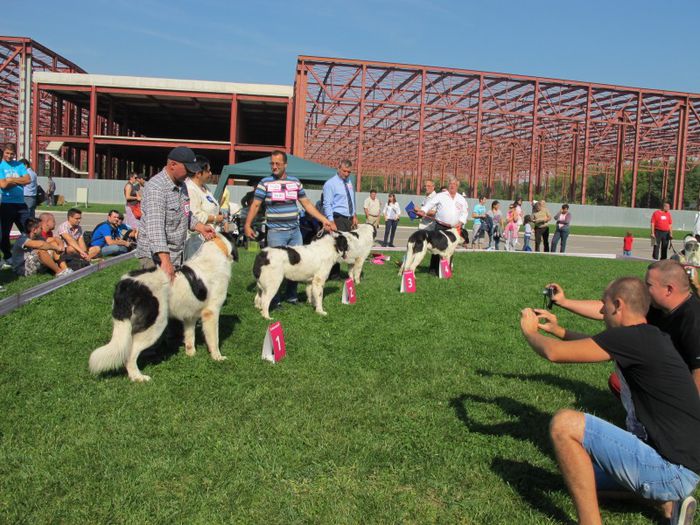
x,y
20,57
404,123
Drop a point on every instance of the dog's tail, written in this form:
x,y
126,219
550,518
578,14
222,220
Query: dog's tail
x,y
114,354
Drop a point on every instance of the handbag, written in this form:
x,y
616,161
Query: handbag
x,y
40,195
136,210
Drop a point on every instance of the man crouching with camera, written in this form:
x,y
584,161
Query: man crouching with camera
x,y
662,460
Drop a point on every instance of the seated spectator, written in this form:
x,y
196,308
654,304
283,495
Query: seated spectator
x,y
105,238
124,232
71,233
31,254
660,461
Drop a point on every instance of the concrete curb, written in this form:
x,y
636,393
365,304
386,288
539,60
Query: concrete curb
x,y
14,301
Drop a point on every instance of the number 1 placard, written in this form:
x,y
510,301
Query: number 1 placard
x,y
274,348
408,282
349,295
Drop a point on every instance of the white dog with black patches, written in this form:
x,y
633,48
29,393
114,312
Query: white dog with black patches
x,y
439,242
311,264
145,299
360,242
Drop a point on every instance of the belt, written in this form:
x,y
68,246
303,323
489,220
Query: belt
x,y
339,215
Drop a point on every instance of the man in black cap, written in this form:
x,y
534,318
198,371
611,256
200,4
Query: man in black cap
x,y
166,216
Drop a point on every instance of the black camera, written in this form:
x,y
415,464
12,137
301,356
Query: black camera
x,y
548,297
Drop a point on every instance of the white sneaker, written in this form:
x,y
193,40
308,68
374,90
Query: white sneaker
x,y
64,273
683,511
5,265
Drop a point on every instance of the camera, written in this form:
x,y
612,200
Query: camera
x,y
548,297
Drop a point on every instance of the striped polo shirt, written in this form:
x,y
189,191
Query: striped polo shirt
x,y
280,196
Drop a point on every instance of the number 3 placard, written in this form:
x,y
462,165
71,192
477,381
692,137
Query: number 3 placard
x,y
408,282
274,348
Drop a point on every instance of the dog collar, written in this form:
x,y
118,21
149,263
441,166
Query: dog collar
x,y
221,246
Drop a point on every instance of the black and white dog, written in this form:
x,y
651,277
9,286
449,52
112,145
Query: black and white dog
x,y
145,299
309,263
360,242
439,242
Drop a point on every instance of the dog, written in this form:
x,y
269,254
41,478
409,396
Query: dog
x,y
439,242
144,300
360,242
309,263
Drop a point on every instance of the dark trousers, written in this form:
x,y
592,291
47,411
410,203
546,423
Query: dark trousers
x,y
343,224
434,268
662,241
390,231
542,236
560,234
11,214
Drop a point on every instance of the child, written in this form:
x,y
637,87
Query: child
x,y
528,233
510,232
627,244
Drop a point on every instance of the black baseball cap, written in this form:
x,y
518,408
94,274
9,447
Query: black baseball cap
x,y
187,157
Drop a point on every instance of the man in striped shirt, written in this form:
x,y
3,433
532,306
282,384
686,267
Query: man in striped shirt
x,y
281,193
166,214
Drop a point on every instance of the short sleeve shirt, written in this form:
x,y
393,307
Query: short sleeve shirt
x,y
280,197
103,230
683,325
662,220
664,394
65,227
8,170
479,209
18,251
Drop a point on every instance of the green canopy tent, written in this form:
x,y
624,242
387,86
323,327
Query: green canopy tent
x,y
302,169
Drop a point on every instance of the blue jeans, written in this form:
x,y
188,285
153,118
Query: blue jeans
x,y
622,460
628,253
114,249
390,230
563,234
279,238
31,205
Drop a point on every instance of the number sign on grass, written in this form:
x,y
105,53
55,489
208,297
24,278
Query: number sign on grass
x,y
274,349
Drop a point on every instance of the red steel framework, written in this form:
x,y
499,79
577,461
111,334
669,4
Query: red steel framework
x,y
497,132
19,58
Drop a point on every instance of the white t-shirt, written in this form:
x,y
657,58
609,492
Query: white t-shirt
x,y
392,211
450,210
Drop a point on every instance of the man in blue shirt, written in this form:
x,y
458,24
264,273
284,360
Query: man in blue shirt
x,y
13,210
30,189
339,204
105,238
281,193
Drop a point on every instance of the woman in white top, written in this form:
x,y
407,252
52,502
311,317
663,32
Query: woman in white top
x,y
391,213
203,205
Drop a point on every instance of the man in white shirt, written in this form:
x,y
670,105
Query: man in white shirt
x,y
452,211
426,220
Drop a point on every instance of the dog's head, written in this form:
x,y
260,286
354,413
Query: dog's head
x,y
230,239
341,244
692,249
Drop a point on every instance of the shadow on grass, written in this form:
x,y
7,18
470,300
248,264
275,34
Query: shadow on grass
x,y
534,485
530,425
592,399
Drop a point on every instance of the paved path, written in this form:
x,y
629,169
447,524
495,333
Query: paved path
x,y
576,244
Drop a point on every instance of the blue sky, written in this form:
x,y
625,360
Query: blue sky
x,y
641,44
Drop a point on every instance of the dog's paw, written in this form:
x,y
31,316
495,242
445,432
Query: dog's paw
x,y
141,378
218,357
190,350
321,312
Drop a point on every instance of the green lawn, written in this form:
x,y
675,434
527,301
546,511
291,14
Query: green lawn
x,y
92,208
416,408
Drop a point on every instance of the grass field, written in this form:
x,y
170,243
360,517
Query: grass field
x,y
402,408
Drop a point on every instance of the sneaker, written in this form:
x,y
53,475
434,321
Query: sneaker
x,y
64,273
293,300
2,288
489,249
4,265
683,511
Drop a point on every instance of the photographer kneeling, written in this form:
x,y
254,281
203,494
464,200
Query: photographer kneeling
x,y
659,463
674,309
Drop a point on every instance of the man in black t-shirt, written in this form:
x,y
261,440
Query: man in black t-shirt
x,y
674,309
661,462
